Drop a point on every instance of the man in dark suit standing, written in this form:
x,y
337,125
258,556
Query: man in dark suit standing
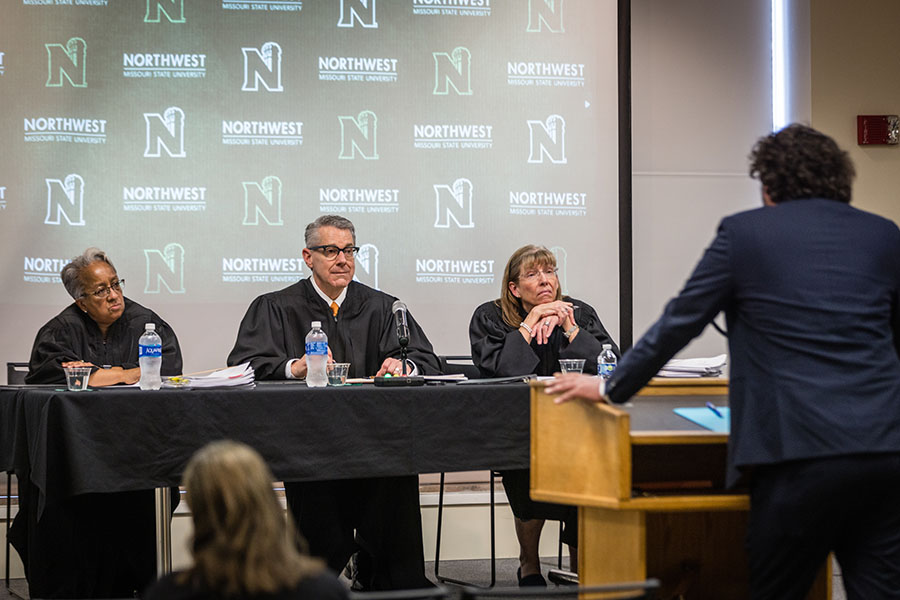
x,y
811,292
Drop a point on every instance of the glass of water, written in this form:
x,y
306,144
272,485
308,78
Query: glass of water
x,y
337,373
571,365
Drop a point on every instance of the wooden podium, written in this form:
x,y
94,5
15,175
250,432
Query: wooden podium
x,y
650,487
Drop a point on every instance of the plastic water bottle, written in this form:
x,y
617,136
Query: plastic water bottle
x,y
316,356
606,362
150,358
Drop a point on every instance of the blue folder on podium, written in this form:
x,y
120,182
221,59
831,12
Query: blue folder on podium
x,y
705,417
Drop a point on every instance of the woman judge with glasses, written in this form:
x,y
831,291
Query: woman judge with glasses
x,y
91,545
527,330
100,329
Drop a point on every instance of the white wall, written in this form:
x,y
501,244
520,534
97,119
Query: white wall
x,y
701,90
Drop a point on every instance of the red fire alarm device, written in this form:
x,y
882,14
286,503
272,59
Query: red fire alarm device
x,y
877,129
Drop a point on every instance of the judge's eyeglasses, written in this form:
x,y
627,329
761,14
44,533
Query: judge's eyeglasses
x,y
104,292
330,251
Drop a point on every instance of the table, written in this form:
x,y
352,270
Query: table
x,y
652,501
120,439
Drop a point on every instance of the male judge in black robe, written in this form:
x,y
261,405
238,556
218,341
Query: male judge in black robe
x,y
91,545
360,328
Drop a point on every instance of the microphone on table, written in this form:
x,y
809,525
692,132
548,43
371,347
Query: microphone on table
x,y
399,310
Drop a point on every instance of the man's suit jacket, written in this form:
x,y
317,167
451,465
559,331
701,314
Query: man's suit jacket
x,y
810,292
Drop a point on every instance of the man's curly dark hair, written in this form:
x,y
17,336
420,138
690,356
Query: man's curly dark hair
x,y
799,162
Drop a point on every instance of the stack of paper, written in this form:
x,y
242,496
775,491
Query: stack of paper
x,y
235,376
694,367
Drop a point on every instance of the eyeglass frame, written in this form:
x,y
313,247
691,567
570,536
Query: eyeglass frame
x,y
104,292
327,248
554,272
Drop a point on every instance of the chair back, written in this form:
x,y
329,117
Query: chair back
x,y
454,364
633,590
16,372
438,592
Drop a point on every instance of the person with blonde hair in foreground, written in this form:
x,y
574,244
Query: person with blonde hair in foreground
x,y
244,546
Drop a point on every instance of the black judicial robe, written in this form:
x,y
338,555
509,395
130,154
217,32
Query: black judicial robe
x,y
274,331
382,511
91,545
73,335
499,350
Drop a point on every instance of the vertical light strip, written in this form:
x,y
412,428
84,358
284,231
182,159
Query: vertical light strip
x,y
779,65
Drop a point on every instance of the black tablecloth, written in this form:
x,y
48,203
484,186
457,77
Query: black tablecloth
x,y
120,439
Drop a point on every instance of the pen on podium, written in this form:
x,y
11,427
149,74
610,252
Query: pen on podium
x,y
715,410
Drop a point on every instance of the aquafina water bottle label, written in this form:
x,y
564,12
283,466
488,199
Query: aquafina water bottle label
x,y
316,348
149,351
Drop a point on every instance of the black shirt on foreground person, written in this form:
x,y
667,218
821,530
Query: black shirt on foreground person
x,y
810,287
91,545
527,330
242,547
383,511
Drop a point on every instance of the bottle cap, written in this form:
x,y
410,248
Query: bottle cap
x,y
607,346
316,324
150,327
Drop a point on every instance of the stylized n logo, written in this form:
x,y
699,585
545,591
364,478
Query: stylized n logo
x,y
454,69
362,11
65,200
454,203
262,66
165,131
67,62
358,135
165,268
173,9
367,266
545,13
547,139
262,200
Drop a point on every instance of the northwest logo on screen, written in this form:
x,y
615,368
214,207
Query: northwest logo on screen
x,y
163,65
264,5
359,200
39,269
262,133
358,136
2,66
547,140
548,203
544,74
455,271
453,136
88,3
67,64
165,133
357,12
65,130
155,198
245,269
365,69
367,266
262,201
545,15
165,269
262,68
453,70
453,203
160,11
65,201
452,8
2,197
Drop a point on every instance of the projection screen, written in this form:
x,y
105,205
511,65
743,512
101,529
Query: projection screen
x,y
193,140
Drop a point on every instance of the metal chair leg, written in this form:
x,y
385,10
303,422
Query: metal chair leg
x,y
437,550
